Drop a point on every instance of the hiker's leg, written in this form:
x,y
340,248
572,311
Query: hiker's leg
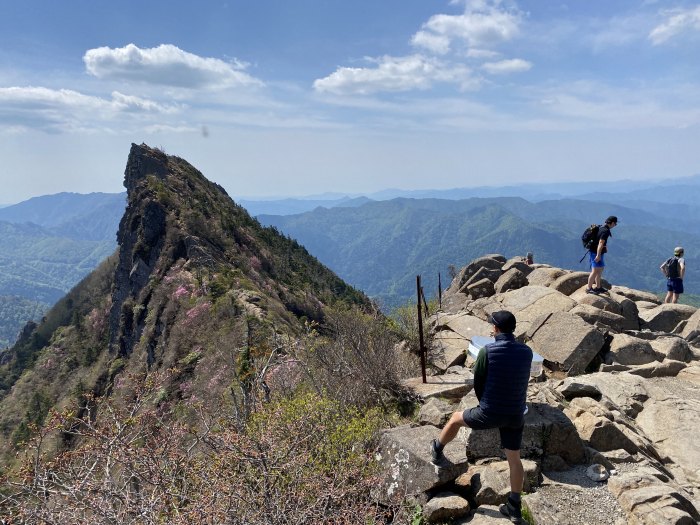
x,y
669,297
517,472
449,431
595,276
675,298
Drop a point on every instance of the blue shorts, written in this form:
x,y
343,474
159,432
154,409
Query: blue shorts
x,y
591,258
674,284
510,427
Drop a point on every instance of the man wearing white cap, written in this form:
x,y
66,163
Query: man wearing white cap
x,y
674,270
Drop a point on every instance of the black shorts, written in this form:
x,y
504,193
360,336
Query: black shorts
x,y
510,427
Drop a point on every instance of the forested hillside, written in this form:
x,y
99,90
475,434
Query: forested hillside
x,y
381,246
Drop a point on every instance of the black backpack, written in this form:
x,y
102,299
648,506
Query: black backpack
x,y
671,266
589,238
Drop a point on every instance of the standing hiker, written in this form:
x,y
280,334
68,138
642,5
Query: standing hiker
x,y
674,270
596,256
501,376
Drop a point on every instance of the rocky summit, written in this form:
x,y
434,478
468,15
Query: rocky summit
x,y
611,432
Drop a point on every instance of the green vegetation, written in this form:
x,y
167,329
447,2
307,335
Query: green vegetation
x,y
14,314
381,246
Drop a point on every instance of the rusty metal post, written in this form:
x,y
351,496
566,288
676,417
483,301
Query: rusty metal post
x,y
420,330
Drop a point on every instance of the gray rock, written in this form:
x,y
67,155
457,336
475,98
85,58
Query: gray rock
x,y
404,455
596,427
674,348
510,280
484,515
599,318
447,349
464,325
518,264
482,273
566,340
544,276
452,386
665,317
482,288
445,506
668,368
436,412
629,311
572,388
647,500
597,472
547,431
570,282
636,295
628,350
691,330
531,302
491,263
489,483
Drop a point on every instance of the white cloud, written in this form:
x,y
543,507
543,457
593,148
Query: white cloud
x,y
504,67
484,24
166,65
394,74
677,22
438,44
64,109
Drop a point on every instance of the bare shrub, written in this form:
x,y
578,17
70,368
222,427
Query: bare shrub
x,y
358,363
299,460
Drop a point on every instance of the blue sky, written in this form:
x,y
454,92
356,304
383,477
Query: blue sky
x,y
300,97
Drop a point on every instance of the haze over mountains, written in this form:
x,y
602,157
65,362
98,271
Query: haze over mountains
x,y
377,242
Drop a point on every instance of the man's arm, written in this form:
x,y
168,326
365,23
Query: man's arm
x,y
681,268
480,371
663,268
599,252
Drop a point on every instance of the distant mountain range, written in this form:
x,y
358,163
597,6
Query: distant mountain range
x,y
380,241
47,244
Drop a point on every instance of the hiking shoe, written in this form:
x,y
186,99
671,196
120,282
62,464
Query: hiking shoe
x,y
436,455
512,511
600,290
594,291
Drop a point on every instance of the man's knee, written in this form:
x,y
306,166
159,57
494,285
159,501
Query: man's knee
x,y
457,418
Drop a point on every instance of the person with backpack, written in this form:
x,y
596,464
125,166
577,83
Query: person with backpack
x,y
674,270
501,377
596,253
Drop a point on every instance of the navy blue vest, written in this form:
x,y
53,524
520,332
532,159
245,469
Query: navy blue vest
x,y
507,376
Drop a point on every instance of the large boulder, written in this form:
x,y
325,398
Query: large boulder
x,y
464,324
495,262
672,347
670,419
599,318
518,264
629,350
436,411
628,310
570,282
510,280
627,392
668,368
445,506
566,341
532,302
603,301
665,317
544,276
547,432
404,455
482,273
635,295
447,349
598,427
648,500
489,483
481,288
691,330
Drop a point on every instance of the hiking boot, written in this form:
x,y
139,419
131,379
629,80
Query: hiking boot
x,y
511,510
436,455
594,291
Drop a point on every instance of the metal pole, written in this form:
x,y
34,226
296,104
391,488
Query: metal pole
x,y
420,330
440,290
